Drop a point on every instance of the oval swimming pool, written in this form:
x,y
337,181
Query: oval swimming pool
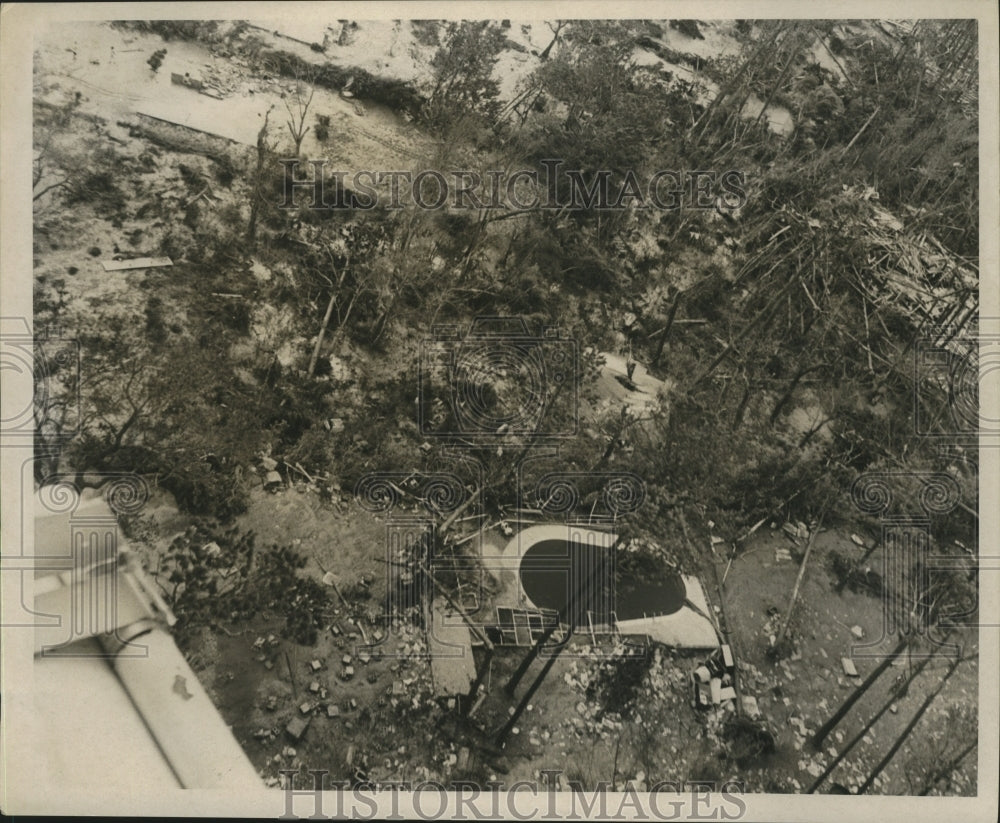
x,y
550,566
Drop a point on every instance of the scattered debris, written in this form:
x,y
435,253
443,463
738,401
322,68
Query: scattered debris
x,y
137,263
195,84
297,727
849,668
796,531
713,682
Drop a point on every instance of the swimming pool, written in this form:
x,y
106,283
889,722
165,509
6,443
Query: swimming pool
x,y
553,561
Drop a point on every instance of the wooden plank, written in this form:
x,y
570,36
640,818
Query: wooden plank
x,y
137,263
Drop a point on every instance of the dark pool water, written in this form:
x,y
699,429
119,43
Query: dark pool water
x,y
638,598
551,568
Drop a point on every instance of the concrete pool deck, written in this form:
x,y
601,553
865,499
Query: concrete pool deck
x,y
685,628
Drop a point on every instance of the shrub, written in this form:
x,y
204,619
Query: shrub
x,y
156,59
748,741
463,75
210,574
847,575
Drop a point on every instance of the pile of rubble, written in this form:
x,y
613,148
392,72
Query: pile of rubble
x,y
713,683
264,648
412,687
590,720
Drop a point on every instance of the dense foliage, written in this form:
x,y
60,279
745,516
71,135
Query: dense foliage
x,y
780,325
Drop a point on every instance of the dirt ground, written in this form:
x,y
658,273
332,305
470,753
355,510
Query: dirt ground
x,y
388,720
801,693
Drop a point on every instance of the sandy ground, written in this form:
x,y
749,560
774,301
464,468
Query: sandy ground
x,y
108,67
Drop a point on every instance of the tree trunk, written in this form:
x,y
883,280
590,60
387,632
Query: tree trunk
x,y
742,407
723,629
545,52
809,435
529,658
470,700
322,332
798,579
792,386
793,36
262,149
765,313
864,559
666,330
730,87
615,437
